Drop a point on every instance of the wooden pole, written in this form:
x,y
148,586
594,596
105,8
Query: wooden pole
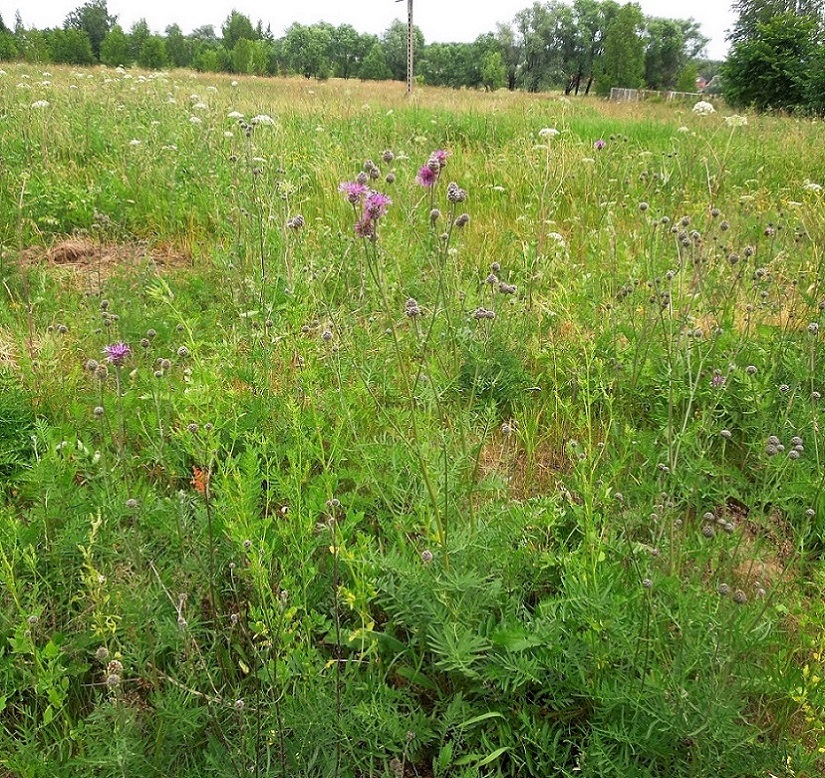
x,y
410,39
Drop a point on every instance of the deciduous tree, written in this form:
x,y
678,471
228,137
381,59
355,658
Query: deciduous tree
x,y
94,19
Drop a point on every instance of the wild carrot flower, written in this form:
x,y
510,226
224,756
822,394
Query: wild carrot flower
x,y
117,353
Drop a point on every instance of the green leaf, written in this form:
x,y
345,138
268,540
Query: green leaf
x,y
493,714
413,676
470,758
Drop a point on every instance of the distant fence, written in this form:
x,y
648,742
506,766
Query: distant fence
x,y
635,95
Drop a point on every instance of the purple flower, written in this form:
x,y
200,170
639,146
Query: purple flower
x,y
365,227
440,156
600,144
353,190
117,353
375,204
426,176
718,381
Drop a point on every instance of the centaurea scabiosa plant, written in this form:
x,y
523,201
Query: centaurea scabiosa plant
x,y
116,355
429,174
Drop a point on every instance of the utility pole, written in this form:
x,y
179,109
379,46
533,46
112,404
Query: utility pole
x,y
410,39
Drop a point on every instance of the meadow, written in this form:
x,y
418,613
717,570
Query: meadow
x,y
345,434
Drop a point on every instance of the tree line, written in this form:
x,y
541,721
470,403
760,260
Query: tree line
x,y
777,57
575,46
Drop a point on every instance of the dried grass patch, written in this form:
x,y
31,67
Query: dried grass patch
x,y
8,351
86,263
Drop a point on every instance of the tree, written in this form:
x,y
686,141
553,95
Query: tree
x,y
347,50
815,84
686,82
665,53
261,54
493,71
237,26
510,51
242,56
72,47
94,19
178,47
138,35
375,67
771,68
114,50
752,13
394,41
8,46
305,49
35,46
623,63
205,34
153,53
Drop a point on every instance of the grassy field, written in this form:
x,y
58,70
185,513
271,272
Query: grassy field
x,y
519,472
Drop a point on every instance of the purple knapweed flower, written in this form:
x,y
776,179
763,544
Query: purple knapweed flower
x,y
354,190
376,204
600,144
426,176
365,227
718,381
117,353
440,156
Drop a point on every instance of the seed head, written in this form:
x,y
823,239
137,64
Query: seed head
x,y
426,555
412,308
739,597
723,589
455,194
98,411
131,503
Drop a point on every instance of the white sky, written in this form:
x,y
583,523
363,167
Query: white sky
x,y
439,20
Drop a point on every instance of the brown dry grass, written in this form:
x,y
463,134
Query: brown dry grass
x,y
8,351
524,475
86,263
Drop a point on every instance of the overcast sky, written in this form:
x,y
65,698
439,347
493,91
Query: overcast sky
x,y
440,20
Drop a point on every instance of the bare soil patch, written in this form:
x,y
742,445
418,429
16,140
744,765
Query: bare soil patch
x,y
87,262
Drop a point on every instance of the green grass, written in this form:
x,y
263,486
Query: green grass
x,y
540,530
